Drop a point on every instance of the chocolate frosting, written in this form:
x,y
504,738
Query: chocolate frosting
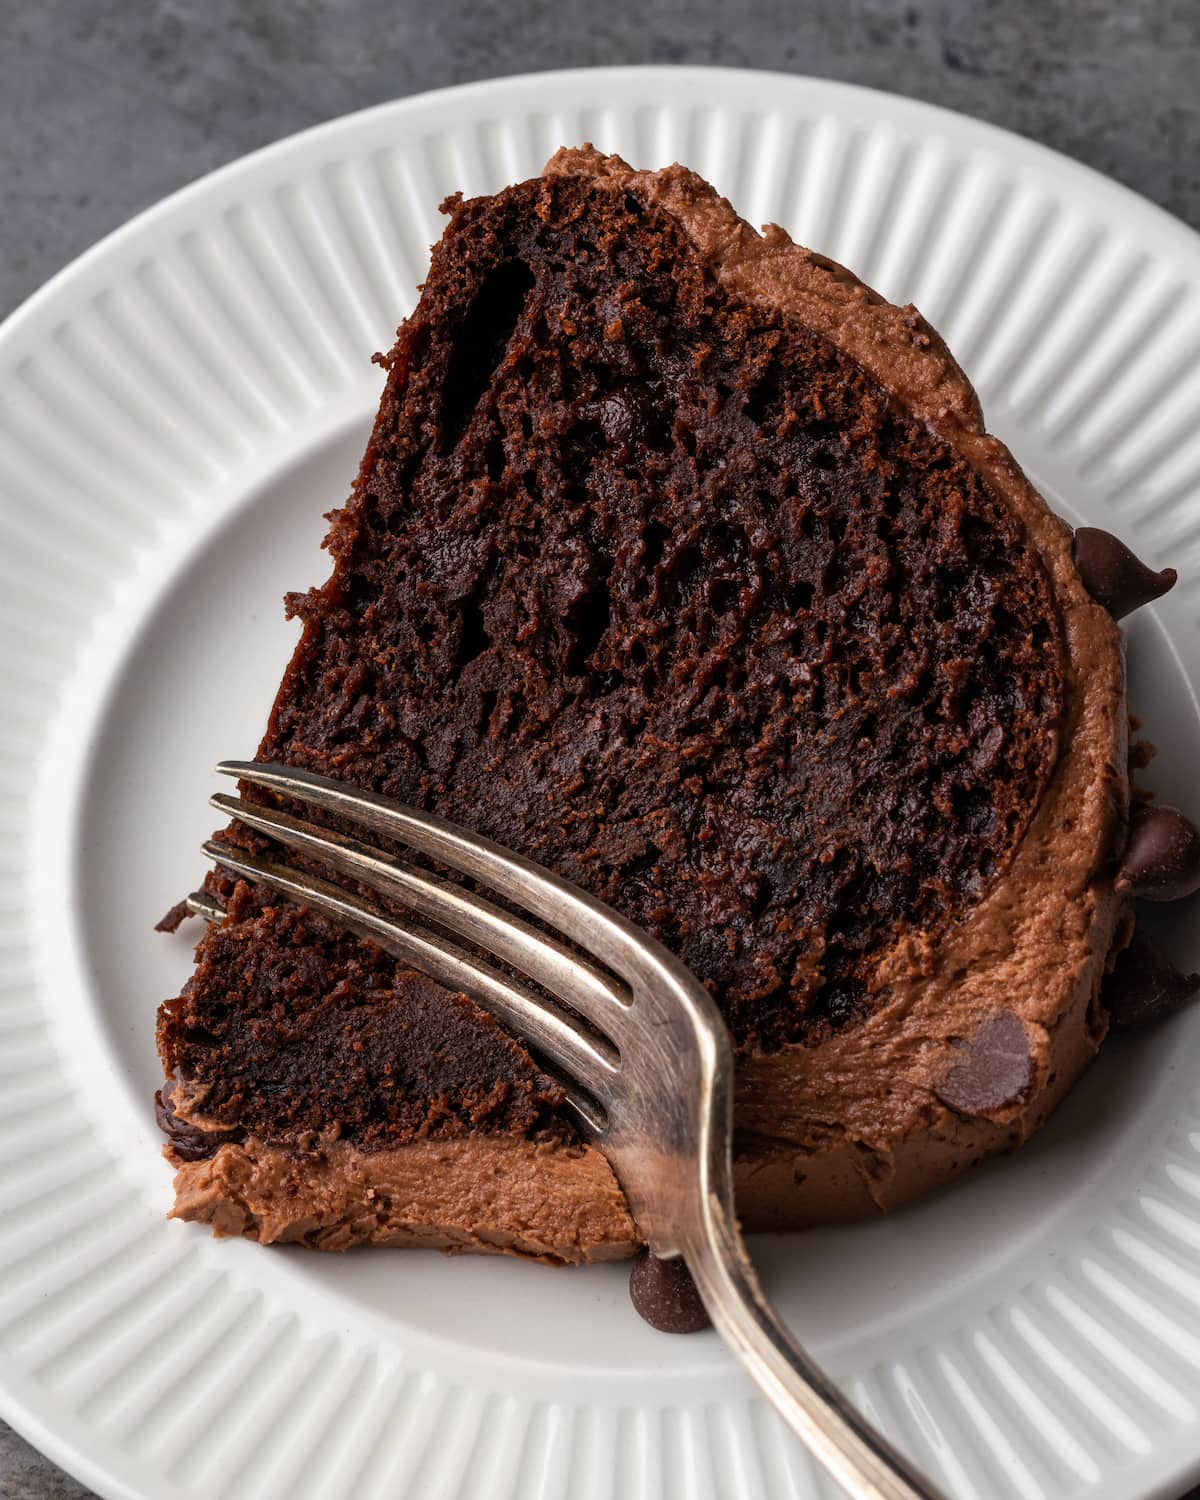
x,y
545,1200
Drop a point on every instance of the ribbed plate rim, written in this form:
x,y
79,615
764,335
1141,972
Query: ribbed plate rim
x,y
34,1418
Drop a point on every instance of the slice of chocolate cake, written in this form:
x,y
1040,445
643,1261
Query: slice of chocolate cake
x,y
682,563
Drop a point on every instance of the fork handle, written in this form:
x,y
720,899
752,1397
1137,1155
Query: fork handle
x,y
861,1459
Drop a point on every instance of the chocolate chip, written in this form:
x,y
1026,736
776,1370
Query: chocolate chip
x,y
1113,576
665,1295
1162,858
996,1070
628,418
1145,986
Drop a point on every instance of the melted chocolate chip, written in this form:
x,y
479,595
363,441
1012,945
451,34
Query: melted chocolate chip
x,y
187,1141
1162,859
1112,574
996,1070
664,1293
1145,986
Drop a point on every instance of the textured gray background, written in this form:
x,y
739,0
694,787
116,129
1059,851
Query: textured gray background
x,y
106,105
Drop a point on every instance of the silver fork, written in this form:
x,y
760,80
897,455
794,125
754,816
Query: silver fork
x,y
640,1047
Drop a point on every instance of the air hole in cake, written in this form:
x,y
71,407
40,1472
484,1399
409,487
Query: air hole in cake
x,y
798,595
487,327
759,403
654,539
494,459
513,711
948,600
473,638
487,707
587,622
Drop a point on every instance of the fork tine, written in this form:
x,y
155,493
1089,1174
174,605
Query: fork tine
x,y
537,954
549,1030
201,904
635,956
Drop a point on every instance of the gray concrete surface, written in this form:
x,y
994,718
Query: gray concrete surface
x,y
106,105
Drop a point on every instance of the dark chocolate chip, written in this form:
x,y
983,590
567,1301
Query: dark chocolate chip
x,y
1162,858
1113,576
665,1295
1145,986
628,418
996,1070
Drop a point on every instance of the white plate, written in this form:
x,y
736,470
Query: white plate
x,y
176,412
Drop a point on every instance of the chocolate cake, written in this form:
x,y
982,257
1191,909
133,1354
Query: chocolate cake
x,y
681,562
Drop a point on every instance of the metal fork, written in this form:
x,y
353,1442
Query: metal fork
x,y
640,1047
